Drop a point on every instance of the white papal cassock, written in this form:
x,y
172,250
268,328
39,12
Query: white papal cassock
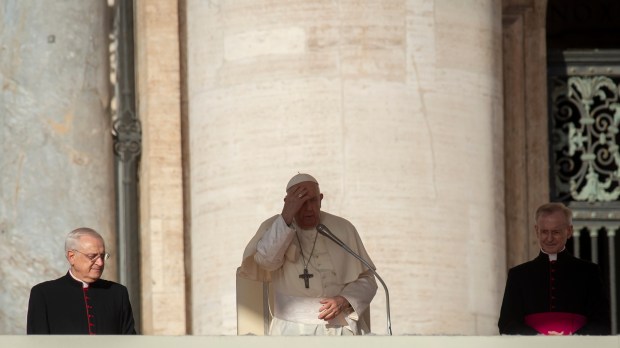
x,y
274,255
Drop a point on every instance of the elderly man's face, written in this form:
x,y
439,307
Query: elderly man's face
x,y
87,262
552,231
308,215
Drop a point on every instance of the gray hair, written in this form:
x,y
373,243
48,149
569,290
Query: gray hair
x,y
550,208
72,240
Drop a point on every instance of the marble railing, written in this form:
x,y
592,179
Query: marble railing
x,y
311,342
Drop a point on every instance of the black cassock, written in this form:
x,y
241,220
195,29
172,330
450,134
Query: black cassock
x,y
568,285
62,306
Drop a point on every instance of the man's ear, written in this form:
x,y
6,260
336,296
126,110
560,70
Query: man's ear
x,y
70,255
570,231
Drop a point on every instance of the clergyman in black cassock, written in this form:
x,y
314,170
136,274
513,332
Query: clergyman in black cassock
x,y
569,285
555,293
80,302
62,306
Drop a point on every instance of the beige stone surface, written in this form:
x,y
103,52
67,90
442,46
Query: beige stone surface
x,y
395,107
310,342
161,179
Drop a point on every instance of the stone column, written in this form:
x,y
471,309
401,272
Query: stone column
x,y
395,107
526,119
161,173
56,168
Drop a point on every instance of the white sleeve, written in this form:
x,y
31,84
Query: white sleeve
x,y
360,292
272,246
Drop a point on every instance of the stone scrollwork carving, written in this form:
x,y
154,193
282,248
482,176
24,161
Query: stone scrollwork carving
x,y
126,128
127,137
585,123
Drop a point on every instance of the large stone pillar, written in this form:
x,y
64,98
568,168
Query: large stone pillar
x,y
56,167
395,107
161,172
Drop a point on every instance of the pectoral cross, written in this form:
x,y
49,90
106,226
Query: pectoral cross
x,y
306,277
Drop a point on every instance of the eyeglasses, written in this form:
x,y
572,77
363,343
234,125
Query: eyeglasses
x,y
94,257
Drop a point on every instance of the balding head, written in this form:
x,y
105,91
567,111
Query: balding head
x,y
73,238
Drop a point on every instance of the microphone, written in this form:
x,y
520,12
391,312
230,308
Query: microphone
x,y
322,229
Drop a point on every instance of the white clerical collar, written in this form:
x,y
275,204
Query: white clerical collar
x,y
84,284
552,257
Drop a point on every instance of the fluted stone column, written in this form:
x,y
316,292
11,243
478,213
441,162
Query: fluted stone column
x,y
56,165
395,107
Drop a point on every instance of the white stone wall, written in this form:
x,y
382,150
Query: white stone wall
x,y
56,170
395,107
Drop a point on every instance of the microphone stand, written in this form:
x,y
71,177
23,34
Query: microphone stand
x,y
322,229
